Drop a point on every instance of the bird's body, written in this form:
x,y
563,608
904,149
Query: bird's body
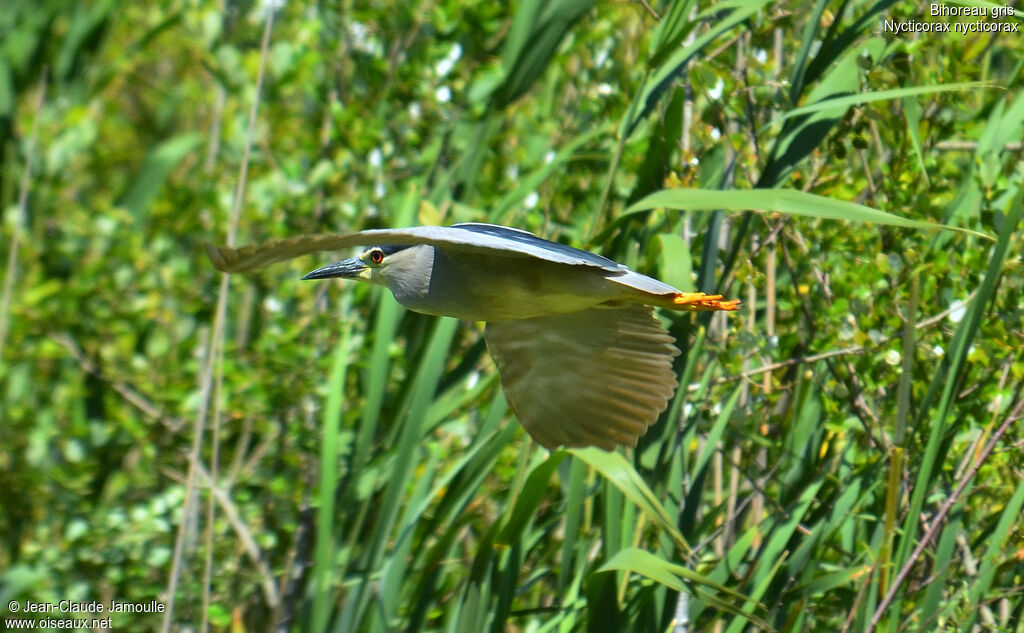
x,y
509,290
581,357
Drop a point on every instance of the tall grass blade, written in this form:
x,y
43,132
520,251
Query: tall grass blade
x,y
994,556
154,171
624,477
842,103
662,77
782,201
680,578
323,566
951,370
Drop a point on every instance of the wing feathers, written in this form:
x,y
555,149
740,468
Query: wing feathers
x,y
599,377
465,239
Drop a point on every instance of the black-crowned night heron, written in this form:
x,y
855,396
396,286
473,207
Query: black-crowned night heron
x,y
581,356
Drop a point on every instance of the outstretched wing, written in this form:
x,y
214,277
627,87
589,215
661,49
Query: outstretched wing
x,y
599,377
480,238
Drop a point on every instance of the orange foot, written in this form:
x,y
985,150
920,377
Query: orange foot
x,y
700,302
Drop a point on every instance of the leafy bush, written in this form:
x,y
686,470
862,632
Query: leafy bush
x,y
840,455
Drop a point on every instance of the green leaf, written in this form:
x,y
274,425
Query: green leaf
x,y
680,579
153,172
782,201
537,31
660,79
529,498
840,103
623,476
676,264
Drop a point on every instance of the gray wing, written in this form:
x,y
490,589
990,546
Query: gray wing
x,y
599,377
643,283
530,240
480,238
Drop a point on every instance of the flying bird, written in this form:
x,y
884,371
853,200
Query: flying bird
x,y
582,359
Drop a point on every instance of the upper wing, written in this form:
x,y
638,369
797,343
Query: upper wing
x,y
529,240
483,238
598,377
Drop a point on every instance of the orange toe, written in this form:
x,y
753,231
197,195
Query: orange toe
x,y
700,302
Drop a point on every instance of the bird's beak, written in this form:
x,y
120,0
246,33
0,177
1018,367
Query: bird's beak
x,y
352,268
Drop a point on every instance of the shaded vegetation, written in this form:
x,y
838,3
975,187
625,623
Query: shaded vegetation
x,y
844,454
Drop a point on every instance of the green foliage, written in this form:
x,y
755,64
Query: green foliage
x,y
827,462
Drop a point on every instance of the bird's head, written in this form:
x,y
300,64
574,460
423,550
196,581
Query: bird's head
x,y
371,265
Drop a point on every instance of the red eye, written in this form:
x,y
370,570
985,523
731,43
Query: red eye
x,y
376,256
